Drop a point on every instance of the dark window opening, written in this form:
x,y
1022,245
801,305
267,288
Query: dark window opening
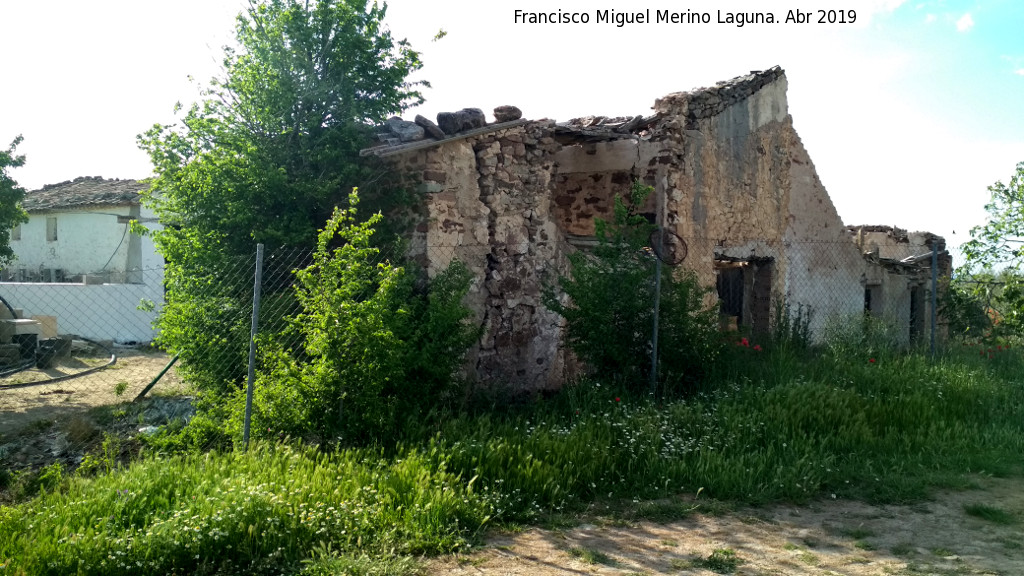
x,y
873,300
745,294
730,295
916,313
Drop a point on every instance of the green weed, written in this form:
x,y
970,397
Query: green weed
x,y
591,556
990,513
721,561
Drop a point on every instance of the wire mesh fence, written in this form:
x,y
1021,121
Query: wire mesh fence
x,y
68,348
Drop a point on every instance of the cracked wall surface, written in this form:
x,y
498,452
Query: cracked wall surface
x,y
731,178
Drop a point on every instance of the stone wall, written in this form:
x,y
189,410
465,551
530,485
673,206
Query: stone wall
x,y
731,178
488,205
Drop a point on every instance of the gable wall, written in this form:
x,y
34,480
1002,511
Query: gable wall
x,y
731,177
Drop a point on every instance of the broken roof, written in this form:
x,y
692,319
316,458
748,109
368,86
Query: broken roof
x,y
706,102
696,103
83,192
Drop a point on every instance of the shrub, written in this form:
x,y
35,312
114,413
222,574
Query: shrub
x,y
375,343
608,298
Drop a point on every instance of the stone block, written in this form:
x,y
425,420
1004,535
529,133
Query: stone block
x,y
405,131
11,328
48,324
507,113
465,119
429,127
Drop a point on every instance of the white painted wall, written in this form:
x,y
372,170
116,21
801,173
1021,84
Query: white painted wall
x,y
99,312
89,241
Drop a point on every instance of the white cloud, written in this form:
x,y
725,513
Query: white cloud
x,y
1019,72
887,5
965,23
930,18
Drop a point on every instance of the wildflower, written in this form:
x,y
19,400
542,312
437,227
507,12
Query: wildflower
x,y
757,347
871,360
617,399
744,342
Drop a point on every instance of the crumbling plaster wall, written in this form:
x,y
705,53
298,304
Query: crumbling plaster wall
x,y
903,266
732,178
488,205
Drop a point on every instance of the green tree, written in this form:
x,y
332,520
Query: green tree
x,y
265,157
11,195
275,143
996,250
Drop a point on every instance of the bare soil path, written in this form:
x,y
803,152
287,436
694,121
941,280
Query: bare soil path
x,y
956,533
133,370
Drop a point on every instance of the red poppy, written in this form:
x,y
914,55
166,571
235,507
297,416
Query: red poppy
x,y
871,360
617,399
757,347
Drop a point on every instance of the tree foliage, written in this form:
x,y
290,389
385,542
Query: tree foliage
x,y
11,195
275,143
608,306
264,157
994,271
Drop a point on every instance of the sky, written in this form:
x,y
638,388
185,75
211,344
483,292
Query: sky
x,y
909,112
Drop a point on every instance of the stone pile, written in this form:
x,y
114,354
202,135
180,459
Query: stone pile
x,y
396,131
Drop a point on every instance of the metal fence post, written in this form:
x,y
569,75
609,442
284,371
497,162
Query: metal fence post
x,y
657,310
257,281
935,292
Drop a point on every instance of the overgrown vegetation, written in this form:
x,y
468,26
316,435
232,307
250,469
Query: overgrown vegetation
x,y
374,346
608,302
265,158
780,425
992,278
11,195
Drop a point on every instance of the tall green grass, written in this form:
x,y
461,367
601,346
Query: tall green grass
x,y
778,425
242,513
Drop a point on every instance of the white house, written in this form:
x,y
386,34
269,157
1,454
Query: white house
x,y
81,228
78,260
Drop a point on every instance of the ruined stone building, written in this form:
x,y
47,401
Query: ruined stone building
x,y
511,199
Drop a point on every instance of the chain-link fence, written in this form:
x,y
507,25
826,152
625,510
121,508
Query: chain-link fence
x,y
68,348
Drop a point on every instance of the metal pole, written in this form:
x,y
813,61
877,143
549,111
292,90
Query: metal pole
x,y
657,307
257,281
157,379
935,292
660,190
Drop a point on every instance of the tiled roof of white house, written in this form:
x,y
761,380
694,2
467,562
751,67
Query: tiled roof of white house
x,y
83,192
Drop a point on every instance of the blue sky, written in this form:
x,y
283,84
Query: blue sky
x,y
908,114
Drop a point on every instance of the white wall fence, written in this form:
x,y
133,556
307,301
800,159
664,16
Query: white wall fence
x,y
96,311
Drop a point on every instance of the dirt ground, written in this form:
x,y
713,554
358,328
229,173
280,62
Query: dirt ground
x,y
132,371
825,537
